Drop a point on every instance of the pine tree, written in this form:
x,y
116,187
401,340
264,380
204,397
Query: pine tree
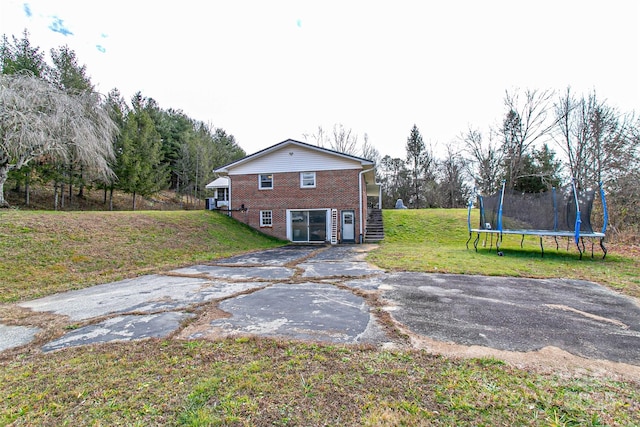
x,y
416,158
141,169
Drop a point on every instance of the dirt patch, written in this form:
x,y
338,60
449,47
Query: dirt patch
x,y
200,327
547,360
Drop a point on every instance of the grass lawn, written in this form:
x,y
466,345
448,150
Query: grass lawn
x,y
433,240
47,252
255,381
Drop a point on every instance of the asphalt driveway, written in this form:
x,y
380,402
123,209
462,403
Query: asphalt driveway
x,y
331,294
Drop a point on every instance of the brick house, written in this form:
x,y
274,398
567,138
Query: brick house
x,y
300,192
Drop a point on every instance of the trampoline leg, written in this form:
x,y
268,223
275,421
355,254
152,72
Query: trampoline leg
x,y
522,242
579,249
490,243
568,243
469,239
498,241
592,248
475,242
584,249
557,245
604,249
541,248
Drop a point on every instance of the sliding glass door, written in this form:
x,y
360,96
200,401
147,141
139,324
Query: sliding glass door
x,y
309,226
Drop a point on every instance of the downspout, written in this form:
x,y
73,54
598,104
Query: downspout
x,y
362,172
229,207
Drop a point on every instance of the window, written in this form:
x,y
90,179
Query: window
x,y
308,180
222,194
265,181
266,218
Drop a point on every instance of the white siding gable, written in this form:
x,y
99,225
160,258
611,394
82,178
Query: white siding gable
x,y
294,158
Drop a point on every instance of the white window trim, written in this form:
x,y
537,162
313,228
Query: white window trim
x,y
260,187
262,218
302,180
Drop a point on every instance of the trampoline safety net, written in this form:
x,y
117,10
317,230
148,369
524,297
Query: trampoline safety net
x,y
565,211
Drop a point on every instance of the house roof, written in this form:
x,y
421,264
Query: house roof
x,y
288,142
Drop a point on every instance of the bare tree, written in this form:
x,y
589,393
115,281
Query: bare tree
x,y
526,122
453,191
341,140
368,151
395,179
319,138
597,141
344,141
484,162
39,121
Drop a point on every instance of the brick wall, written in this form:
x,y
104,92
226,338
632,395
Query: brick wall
x,y
334,190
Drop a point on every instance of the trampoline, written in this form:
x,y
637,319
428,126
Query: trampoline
x,y
558,213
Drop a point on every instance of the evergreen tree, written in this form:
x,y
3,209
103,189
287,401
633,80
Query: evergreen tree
x,y
540,171
19,56
141,169
66,73
416,157
118,111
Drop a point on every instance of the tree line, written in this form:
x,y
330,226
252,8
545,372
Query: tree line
x,y
56,129
544,140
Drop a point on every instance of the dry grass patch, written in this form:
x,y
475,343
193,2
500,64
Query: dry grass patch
x,y
270,382
46,252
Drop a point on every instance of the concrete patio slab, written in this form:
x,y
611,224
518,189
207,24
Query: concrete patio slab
x,y
238,272
259,294
518,314
277,256
144,294
308,311
16,336
121,328
338,269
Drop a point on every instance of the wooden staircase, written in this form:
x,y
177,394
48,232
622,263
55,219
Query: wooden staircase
x,y
375,228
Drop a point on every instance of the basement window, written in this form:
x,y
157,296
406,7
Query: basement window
x,y
266,218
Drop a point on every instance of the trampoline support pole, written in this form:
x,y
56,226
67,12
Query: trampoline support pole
x,y
604,249
579,249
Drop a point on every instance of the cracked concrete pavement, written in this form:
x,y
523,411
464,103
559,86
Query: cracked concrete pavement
x,y
331,294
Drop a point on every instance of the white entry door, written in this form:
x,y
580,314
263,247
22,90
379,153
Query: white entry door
x,y
348,226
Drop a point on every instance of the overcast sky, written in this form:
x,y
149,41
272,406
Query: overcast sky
x,y
270,70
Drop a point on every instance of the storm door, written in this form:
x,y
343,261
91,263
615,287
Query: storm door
x,y
348,227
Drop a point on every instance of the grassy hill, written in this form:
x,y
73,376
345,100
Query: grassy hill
x,y
43,252
273,382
